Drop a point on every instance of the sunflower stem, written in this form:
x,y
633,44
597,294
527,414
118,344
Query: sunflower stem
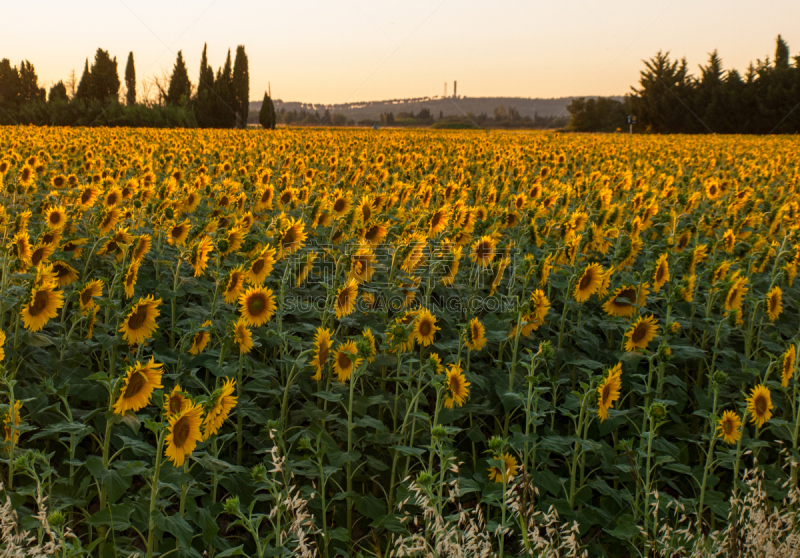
x,y
239,417
154,492
709,456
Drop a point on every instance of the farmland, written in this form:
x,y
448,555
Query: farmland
x,y
422,343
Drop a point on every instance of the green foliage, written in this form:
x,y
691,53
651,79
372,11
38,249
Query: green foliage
x,y
266,116
597,115
240,83
180,88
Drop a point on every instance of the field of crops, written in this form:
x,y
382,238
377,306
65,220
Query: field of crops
x,y
409,343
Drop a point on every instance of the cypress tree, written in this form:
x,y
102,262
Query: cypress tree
x,y
204,100
9,83
781,54
241,87
130,81
105,79
180,88
29,83
85,84
224,102
266,116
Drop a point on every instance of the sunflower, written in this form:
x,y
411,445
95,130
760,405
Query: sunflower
x,y
371,348
43,305
624,301
729,427
787,366
177,402
608,391
88,197
22,245
257,305
511,468
242,336
641,333
307,267
141,247
292,237
458,386
424,327
8,430
476,335
140,381
222,403
322,351
346,299
729,240
483,251
589,282
130,278
110,220
362,265
438,221
140,323
41,253
200,253
2,342
200,339
261,267
341,203
661,274
55,218
87,294
183,434
735,295
774,303
759,405
65,273
177,234
345,360
375,234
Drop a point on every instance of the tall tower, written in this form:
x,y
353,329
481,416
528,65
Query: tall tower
x,y
455,84
445,89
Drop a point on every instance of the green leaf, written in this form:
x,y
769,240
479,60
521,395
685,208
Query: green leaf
x,y
117,517
237,551
176,526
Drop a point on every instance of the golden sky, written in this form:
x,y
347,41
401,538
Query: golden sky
x,y
352,50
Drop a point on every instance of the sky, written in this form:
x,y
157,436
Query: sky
x,y
336,51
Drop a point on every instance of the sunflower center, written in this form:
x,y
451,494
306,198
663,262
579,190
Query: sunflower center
x,y
86,296
55,218
323,352
37,256
625,297
112,199
476,332
339,206
586,280
425,327
180,432
366,212
138,318
660,273
727,426
639,333
175,404
258,265
606,393
760,405
257,304
286,198
344,360
455,384
40,303
135,385
482,251
289,238
234,282
344,298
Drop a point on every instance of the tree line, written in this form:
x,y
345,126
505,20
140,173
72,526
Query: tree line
x,y
669,99
219,99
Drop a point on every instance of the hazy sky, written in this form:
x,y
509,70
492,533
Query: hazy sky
x,y
352,50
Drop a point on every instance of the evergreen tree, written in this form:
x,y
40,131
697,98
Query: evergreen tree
x,y
266,116
85,84
664,95
204,101
241,87
9,83
29,83
224,102
58,92
130,81
105,79
781,54
180,88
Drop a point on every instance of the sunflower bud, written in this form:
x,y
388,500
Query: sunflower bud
x,y
223,245
56,519
720,377
232,505
137,204
497,444
170,213
548,353
664,352
439,432
259,472
658,411
424,479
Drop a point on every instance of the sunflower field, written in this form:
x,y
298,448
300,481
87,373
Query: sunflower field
x,y
398,343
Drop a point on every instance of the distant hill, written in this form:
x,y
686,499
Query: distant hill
x,y
447,106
